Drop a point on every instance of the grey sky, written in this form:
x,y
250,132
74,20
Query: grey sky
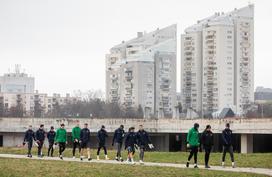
x,y
63,42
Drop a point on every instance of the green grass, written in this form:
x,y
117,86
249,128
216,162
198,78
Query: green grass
x,y
27,168
257,160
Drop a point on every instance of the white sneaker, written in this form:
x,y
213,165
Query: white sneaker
x,y
106,157
97,158
74,157
233,165
223,164
141,162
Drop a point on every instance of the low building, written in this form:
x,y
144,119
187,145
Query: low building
x,y
32,104
263,95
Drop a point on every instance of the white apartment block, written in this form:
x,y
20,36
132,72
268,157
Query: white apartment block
x,y
217,57
191,69
142,71
28,101
17,82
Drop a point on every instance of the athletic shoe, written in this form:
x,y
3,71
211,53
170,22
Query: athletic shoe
x,y
187,164
141,162
106,157
89,159
97,158
195,166
61,157
207,166
233,165
121,159
30,156
223,164
74,157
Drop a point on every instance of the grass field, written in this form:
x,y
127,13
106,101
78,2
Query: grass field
x,y
258,160
33,168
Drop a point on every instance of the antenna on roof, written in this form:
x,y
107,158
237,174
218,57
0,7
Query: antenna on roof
x,y
17,68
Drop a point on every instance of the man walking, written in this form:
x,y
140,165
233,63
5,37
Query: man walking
x,y
85,142
207,142
75,138
29,137
101,136
118,141
193,144
51,137
227,145
143,140
40,137
61,139
130,143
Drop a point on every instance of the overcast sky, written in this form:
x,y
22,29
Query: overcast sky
x,y
62,43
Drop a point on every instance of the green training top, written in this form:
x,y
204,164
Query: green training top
x,y
61,136
192,137
76,133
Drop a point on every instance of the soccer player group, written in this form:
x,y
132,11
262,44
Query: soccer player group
x,y
81,140
139,140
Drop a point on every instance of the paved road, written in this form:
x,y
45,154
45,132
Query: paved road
x,y
229,169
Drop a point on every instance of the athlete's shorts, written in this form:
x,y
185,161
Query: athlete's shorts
x,y
84,145
131,149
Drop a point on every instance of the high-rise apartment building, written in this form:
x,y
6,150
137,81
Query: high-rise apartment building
x,y
17,82
217,58
142,71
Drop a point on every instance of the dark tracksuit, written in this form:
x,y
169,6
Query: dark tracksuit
x,y
29,137
51,137
227,144
130,141
85,138
101,136
118,140
207,142
142,140
40,136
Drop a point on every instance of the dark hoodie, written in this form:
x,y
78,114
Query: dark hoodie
x,y
40,134
85,135
207,139
131,139
29,136
227,137
51,136
102,135
118,136
143,138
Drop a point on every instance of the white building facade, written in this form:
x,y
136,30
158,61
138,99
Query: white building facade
x,y
17,82
142,71
217,63
28,101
